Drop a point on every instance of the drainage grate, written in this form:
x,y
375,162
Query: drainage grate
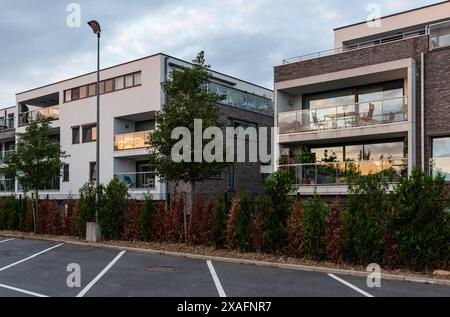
x,y
160,269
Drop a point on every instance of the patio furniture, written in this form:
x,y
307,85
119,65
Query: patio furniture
x,y
317,124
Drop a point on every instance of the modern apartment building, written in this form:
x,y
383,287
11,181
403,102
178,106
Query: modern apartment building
x,y
379,101
131,95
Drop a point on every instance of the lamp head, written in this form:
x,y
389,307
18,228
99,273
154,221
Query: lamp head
x,y
95,26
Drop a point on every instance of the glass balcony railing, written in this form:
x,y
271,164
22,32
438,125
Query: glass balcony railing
x,y
439,35
132,141
6,124
241,99
346,116
7,186
144,180
51,112
340,173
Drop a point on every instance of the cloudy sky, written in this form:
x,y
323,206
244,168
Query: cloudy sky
x,y
244,38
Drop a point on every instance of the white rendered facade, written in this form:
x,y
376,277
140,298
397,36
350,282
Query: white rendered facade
x,y
123,112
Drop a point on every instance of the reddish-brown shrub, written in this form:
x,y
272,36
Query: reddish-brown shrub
x,y
132,230
334,232
200,222
258,226
296,231
160,224
69,225
231,224
49,218
176,221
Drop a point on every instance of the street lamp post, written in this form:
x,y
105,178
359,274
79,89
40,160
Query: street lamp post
x,y
95,26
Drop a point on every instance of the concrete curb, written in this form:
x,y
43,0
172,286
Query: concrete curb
x,y
295,267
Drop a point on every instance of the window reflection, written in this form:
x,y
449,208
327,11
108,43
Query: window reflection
x,y
441,157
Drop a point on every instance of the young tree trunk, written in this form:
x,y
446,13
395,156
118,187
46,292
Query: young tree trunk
x,y
35,208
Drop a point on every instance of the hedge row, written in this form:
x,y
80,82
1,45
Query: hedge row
x,y
405,226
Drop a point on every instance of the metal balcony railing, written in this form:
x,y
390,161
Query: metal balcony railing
x,y
346,116
143,180
51,113
132,141
340,173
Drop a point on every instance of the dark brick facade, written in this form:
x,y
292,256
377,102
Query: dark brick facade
x,y
248,176
437,79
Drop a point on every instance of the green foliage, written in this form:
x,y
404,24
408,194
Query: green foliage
x,y
315,213
220,215
88,205
421,221
277,190
146,218
188,100
8,214
37,159
240,223
366,219
111,214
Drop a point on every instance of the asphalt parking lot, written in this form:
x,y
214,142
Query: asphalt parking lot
x,y
39,269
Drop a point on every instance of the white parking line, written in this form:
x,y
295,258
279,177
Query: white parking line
x,y
15,289
219,287
30,257
3,241
98,277
350,285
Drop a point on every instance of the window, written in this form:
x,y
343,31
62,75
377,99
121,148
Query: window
x,y
441,157
119,83
68,95
89,133
83,92
75,93
66,173
106,86
137,79
129,81
92,171
102,87
75,135
109,85
92,90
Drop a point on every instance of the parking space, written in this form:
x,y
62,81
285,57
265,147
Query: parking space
x,y
40,268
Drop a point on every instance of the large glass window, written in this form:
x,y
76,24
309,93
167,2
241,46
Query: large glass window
x,y
360,152
75,135
441,157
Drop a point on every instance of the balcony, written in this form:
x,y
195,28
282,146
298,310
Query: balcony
x,y
7,186
360,45
347,116
243,100
132,141
6,124
51,113
340,173
139,181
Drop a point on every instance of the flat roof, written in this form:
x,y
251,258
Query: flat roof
x,y
394,14
133,61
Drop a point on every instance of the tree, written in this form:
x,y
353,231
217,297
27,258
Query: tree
x,y
37,160
188,100
277,191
